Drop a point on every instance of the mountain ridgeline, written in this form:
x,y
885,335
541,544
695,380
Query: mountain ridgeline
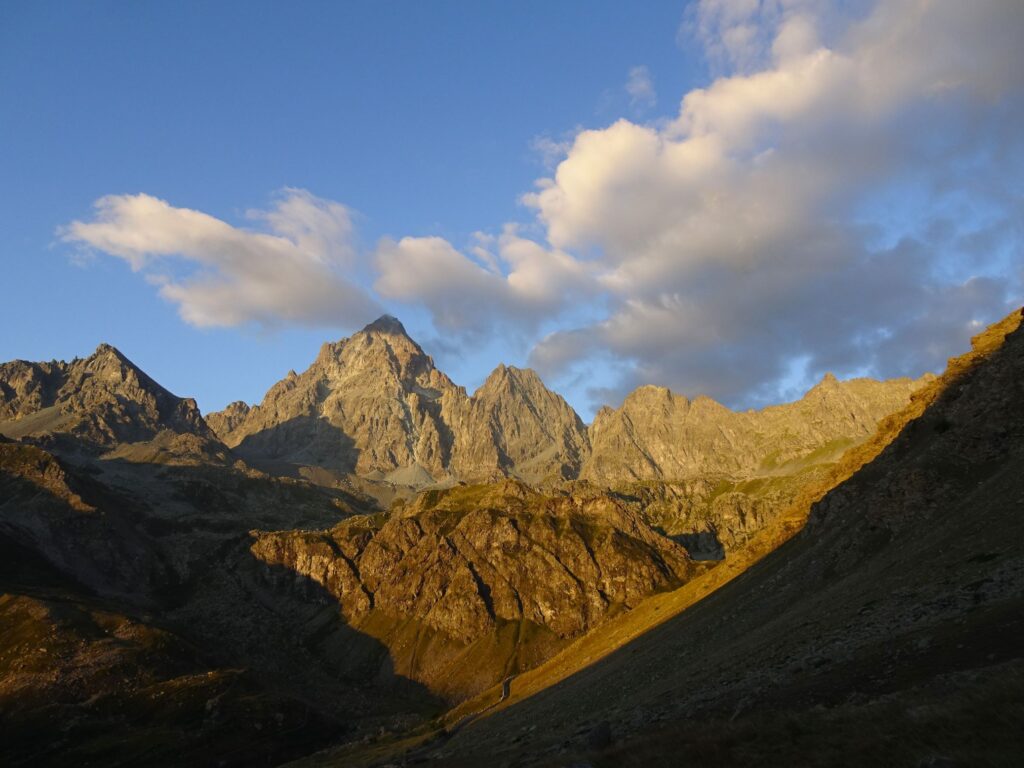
x,y
374,406
94,405
371,545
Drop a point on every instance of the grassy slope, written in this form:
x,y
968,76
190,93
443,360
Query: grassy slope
x,y
626,662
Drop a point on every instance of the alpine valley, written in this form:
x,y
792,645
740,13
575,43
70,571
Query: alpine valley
x,y
373,566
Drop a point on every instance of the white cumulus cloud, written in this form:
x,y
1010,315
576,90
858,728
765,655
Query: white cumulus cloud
x,y
221,275
511,279
812,203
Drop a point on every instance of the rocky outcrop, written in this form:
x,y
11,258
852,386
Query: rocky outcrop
x,y
465,559
469,584
95,404
514,425
231,418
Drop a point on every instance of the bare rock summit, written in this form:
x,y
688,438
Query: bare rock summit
x,y
96,404
374,405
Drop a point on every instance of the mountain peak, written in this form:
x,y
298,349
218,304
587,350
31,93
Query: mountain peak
x,y
828,386
108,350
388,324
503,371
97,402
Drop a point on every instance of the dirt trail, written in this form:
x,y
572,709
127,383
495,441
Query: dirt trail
x,y
421,754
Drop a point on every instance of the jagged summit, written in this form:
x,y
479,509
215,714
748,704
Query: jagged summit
x,y
375,405
507,375
386,324
98,403
516,426
382,342
107,349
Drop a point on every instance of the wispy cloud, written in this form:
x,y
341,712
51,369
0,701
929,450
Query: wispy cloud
x,y
550,151
294,273
640,88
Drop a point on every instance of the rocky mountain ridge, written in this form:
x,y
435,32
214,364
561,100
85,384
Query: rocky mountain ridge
x,y
466,585
99,402
375,406
877,621
374,415
659,435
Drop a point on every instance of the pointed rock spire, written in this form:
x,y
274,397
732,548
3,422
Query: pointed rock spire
x,y
388,324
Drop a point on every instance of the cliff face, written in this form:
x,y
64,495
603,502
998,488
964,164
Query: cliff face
x,y
465,563
514,425
887,628
374,405
100,402
658,435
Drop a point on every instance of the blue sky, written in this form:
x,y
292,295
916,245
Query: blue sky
x,y
731,242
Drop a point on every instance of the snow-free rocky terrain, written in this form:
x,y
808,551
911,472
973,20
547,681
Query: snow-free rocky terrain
x,y
368,560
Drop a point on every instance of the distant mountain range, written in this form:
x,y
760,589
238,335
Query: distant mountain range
x,y
371,545
373,416
877,621
374,406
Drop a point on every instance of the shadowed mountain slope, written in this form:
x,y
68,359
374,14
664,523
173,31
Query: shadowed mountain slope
x,y
137,630
886,630
83,682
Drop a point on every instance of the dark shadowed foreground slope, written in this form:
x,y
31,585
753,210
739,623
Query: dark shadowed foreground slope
x,y
889,630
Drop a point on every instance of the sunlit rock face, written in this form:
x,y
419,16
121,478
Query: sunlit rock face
x,y
657,434
497,573
375,405
101,403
